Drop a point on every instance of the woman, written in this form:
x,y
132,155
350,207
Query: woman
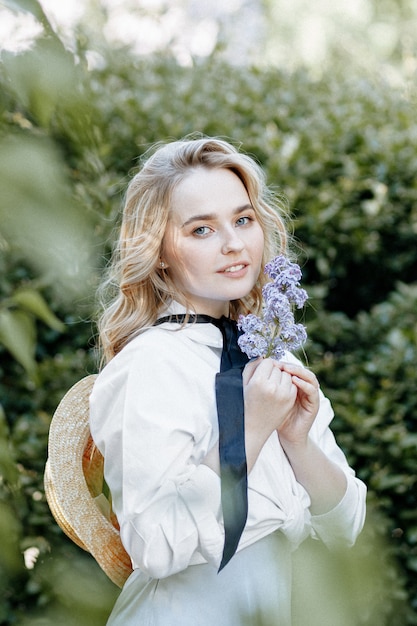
x,y
198,226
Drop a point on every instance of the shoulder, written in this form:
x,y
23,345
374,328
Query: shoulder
x,y
163,369
168,336
155,340
159,353
147,351
171,344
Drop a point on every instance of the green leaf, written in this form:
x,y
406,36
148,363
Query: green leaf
x,y
32,301
44,78
412,563
40,217
18,335
8,468
27,6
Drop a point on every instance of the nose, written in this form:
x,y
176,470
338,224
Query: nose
x,y
232,242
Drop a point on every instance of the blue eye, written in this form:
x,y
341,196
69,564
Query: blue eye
x,y
242,221
201,231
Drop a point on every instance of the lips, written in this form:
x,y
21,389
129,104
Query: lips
x,y
231,269
234,268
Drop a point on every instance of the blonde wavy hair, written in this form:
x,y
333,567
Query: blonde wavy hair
x,y
136,289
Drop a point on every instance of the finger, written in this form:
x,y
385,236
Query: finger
x,y
250,369
309,388
286,379
265,368
261,369
278,374
299,371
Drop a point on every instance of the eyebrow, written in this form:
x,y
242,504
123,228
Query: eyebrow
x,y
212,216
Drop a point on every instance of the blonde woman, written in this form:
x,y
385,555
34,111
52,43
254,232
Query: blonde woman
x,y
209,526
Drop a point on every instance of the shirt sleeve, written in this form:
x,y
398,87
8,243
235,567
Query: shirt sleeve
x,y
344,522
150,420
341,525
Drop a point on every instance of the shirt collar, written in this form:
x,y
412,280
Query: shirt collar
x,y
206,334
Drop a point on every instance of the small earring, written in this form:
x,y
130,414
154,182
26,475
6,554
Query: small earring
x,y
162,264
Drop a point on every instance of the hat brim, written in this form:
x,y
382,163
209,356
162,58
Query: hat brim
x,y
74,481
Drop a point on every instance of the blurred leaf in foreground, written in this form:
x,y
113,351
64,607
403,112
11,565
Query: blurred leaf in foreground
x,y
40,219
31,301
18,335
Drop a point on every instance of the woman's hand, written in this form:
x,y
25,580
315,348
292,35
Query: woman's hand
x,y
296,427
285,397
278,396
270,396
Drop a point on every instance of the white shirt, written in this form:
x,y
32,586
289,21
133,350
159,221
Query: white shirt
x,y
153,417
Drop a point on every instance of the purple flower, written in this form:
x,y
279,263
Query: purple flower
x,y
254,345
297,296
251,323
275,331
276,303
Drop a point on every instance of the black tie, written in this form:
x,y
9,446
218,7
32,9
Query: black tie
x,y
230,412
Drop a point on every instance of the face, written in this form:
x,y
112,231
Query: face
x,y
213,244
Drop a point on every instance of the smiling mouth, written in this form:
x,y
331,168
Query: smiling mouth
x,y
234,268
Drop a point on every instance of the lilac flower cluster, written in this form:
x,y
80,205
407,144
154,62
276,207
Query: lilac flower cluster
x,y
275,331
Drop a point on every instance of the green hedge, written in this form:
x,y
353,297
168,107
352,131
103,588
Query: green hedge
x,y
342,149
367,367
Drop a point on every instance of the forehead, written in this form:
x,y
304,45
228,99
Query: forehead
x,y
208,190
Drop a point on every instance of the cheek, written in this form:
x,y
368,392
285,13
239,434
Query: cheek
x,y
260,245
183,261
190,262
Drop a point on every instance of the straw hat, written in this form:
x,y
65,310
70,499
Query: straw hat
x,y
74,484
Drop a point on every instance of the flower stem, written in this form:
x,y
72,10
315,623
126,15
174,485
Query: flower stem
x,y
275,333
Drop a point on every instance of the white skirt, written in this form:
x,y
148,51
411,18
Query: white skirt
x,y
254,589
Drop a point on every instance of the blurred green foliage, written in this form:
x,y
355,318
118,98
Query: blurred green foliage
x,y
342,149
